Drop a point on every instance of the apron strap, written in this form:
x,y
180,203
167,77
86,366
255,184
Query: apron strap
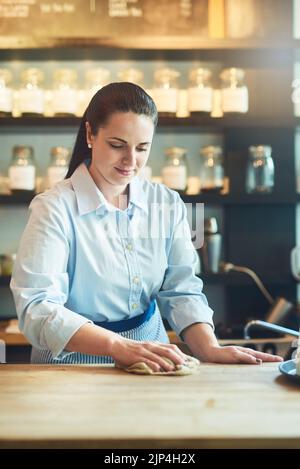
x,y
131,323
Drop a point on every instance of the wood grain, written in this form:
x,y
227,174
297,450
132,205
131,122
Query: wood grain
x,y
228,406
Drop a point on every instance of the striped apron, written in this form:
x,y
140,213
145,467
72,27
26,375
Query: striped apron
x,y
148,326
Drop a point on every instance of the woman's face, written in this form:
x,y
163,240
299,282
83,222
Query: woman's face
x,y
121,148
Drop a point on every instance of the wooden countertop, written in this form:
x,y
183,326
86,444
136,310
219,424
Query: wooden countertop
x,y
10,333
231,406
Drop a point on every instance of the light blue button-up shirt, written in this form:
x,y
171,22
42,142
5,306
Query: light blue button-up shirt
x,y
82,260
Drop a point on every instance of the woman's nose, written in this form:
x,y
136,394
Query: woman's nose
x,y
130,158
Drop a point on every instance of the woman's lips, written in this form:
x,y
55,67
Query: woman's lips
x,y
124,173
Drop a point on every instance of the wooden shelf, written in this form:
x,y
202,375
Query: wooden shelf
x,y
192,123
208,199
39,121
242,199
56,48
16,199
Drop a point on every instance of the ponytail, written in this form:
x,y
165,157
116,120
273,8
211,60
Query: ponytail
x,y
80,150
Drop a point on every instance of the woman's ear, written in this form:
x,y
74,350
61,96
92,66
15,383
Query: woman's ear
x,y
89,135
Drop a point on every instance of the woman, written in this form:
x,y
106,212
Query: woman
x,y
104,253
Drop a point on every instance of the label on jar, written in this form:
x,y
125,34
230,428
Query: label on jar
x,y
235,99
32,101
200,99
56,174
64,101
175,177
22,178
166,99
6,100
182,104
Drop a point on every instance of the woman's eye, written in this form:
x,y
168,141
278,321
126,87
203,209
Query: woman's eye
x,y
141,149
116,146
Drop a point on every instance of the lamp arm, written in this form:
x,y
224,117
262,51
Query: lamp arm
x,y
227,267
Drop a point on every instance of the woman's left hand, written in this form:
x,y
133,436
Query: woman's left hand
x,y
235,354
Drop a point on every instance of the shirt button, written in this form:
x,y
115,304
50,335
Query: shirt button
x,y
129,247
134,306
136,280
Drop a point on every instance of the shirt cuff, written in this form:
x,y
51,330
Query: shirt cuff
x,y
189,312
63,331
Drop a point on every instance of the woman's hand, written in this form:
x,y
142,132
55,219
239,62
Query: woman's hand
x,y
126,352
235,354
203,344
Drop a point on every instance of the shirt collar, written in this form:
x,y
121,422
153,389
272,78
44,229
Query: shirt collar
x,y
90,198
137,194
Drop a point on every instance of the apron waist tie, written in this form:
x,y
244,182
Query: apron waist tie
x,y
131,323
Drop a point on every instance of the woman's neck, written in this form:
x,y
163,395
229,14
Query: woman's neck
x,y
115,195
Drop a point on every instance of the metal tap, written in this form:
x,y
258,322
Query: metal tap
x,y
270,327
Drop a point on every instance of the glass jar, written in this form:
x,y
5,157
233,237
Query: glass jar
x,y
174,172
234,91
64,96
132,75
22,170
31,94
135,75
58,168
212,170
166,91
200,92
6,94
260,170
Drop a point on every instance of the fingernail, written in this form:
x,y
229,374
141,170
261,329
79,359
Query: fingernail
x,y
259,361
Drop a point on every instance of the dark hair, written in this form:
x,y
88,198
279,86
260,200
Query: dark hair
x,y
115,97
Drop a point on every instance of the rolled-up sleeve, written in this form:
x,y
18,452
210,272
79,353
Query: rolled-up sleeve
x,y
180,299
40,282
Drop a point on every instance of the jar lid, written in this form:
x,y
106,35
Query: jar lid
x,y
175,151
166,74
32,75
132,75
232,73
211,150
200,74
65,75
22,151
260,151
62,152
98,75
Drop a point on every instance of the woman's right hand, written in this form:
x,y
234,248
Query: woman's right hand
x,y
126,352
